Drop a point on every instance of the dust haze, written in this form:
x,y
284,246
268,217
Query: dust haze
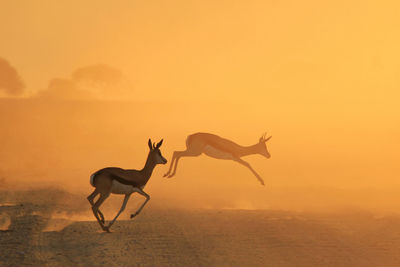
x,y
315,164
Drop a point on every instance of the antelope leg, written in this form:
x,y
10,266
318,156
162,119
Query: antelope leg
x,y
173,161
180,154
140,191
90,199
120,211
247,165
95,209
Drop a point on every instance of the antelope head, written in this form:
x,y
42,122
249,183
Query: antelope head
x,y
262,146
155,152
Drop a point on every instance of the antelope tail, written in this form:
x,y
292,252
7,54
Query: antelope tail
x,y
92,178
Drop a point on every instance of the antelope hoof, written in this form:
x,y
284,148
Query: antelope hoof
x,y
134,214
170,176
165,175
106,229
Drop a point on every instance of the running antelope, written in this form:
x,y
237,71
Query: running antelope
x,y
114,180
220,148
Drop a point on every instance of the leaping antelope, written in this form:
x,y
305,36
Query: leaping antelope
x,y
220,148
114,180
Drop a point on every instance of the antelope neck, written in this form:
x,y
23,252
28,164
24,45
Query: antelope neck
x,y
148,168
248,150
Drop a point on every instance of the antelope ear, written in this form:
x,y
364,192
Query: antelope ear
x,y
159,143
267,139
149,143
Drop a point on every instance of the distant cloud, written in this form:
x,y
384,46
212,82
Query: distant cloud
x,y
96,81
10,81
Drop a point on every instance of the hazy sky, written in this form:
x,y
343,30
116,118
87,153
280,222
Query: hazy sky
x,y
236,50
322,77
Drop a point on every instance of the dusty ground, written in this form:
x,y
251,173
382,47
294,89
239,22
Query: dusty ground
x,y
32,236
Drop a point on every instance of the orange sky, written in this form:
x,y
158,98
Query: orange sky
x,y
239,50
322,77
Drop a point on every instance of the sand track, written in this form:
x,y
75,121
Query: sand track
x,y
203,238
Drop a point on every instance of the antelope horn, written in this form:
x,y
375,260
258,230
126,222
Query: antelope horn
x,y
159,143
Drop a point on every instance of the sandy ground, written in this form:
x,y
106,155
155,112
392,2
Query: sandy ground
x,y
32,235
